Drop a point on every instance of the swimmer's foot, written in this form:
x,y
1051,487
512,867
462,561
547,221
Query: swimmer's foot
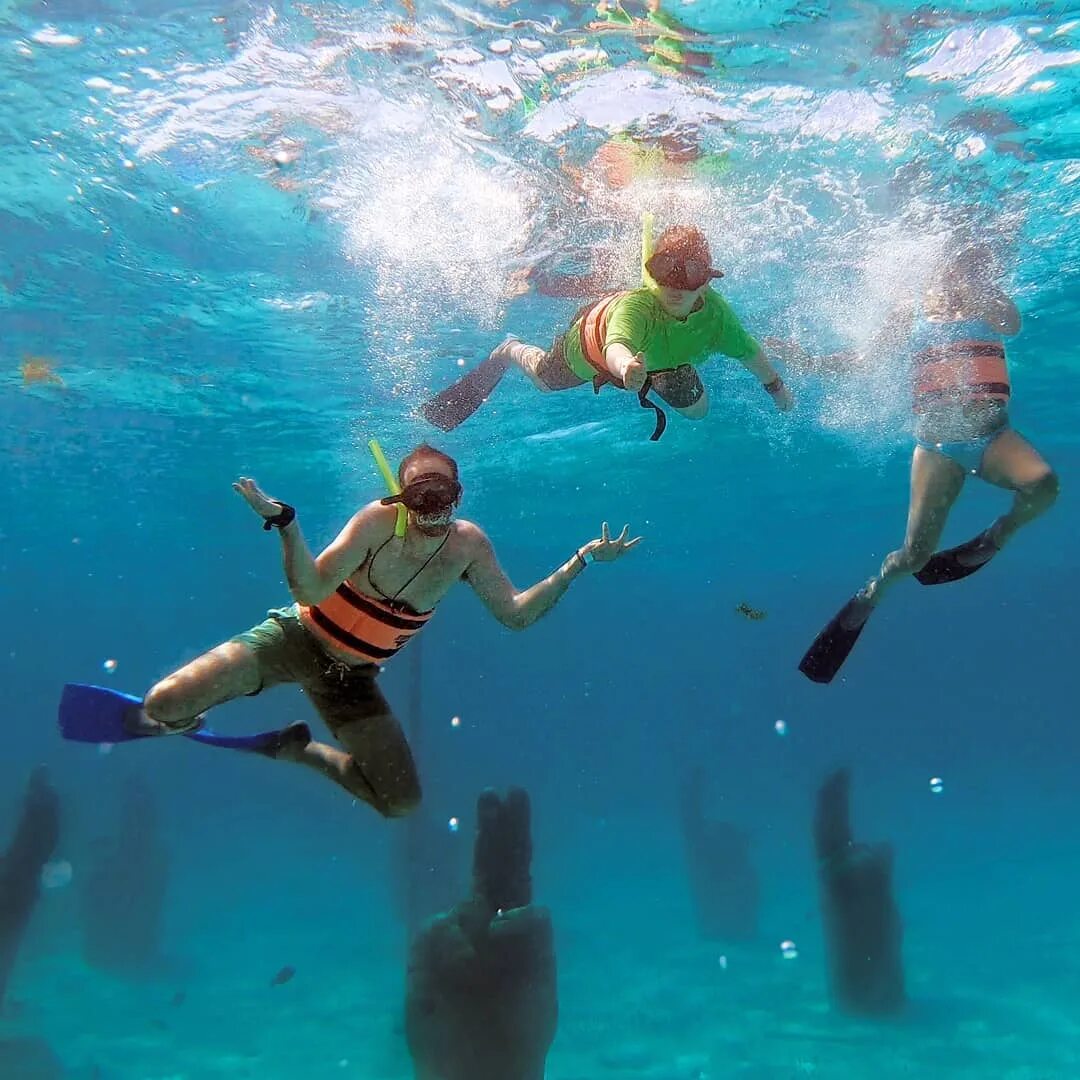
x,y
137,723
287,744
959,562
833,645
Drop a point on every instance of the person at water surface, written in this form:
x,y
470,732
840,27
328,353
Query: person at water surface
x,y
355,605
653,337
960,395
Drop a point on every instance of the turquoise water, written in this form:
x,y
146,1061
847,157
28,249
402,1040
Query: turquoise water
x,y
244,239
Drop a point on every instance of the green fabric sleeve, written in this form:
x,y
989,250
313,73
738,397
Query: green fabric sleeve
x,y
730,338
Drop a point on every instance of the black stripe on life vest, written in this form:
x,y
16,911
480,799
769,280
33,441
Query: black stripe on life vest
x,y
966,391
388,618
343,637
974,350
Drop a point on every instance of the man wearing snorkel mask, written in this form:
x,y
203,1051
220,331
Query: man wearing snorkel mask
x,y
356,604
654,337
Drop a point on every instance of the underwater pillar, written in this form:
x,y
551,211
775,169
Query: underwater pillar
x,y
122,892
481,1000
863,932
35,840
724,885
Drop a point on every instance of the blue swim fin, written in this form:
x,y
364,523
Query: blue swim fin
x,y
96,714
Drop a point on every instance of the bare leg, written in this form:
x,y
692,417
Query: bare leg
x,y
223,673
376,764
527,357
936,481
1011,462
378,767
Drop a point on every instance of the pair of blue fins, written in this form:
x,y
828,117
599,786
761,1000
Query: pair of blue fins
x,y
96,714
833,645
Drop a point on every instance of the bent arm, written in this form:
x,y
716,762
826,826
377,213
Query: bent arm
x,y
311,580
617,357
515,609
758,365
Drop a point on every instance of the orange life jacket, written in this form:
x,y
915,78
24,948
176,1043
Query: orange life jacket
x,y
592,327
961,372
361,626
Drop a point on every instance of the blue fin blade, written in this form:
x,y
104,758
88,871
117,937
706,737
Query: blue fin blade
x,y
95,714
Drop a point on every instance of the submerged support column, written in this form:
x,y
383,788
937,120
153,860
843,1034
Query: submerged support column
x,y
122,892
35,840
863,931
481,1000
723,882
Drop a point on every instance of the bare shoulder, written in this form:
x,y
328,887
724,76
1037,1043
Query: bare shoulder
x,y
472,539
371,523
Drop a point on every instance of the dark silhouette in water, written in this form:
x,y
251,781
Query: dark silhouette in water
x,y
30,1059
283,976
431,869
35,840
723,881
863,931
481,998
122,893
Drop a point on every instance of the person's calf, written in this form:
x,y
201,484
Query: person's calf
x,y
390,804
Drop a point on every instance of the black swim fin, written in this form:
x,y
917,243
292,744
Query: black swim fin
x,y
458,402
833,645
947,566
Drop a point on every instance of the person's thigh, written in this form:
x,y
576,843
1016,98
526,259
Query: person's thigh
x,y
360,718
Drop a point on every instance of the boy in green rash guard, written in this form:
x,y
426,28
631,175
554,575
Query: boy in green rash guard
x,y
653,337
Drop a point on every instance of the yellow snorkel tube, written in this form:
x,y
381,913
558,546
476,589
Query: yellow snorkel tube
x,y
391,484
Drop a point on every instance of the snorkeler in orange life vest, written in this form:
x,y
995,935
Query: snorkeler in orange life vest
x,y
646,339
356,604
960,394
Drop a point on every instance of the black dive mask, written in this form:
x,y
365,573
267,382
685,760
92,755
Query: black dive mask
x,y
430,495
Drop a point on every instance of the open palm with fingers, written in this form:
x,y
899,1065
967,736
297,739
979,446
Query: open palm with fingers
x,y
256,498
607,549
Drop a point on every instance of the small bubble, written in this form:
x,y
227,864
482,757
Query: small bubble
x,y
109,666
461,362
175,210
455,721
453,824
56,874
723,963
937,785
780,727
788,950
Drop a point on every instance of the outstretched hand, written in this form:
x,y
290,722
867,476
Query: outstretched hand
x,y
783,399
257,499
607,549
635,373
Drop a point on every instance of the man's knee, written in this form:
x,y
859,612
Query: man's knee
x,y
166,701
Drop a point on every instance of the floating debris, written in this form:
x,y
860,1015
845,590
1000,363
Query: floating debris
x,y
283,976
39,369
751,613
